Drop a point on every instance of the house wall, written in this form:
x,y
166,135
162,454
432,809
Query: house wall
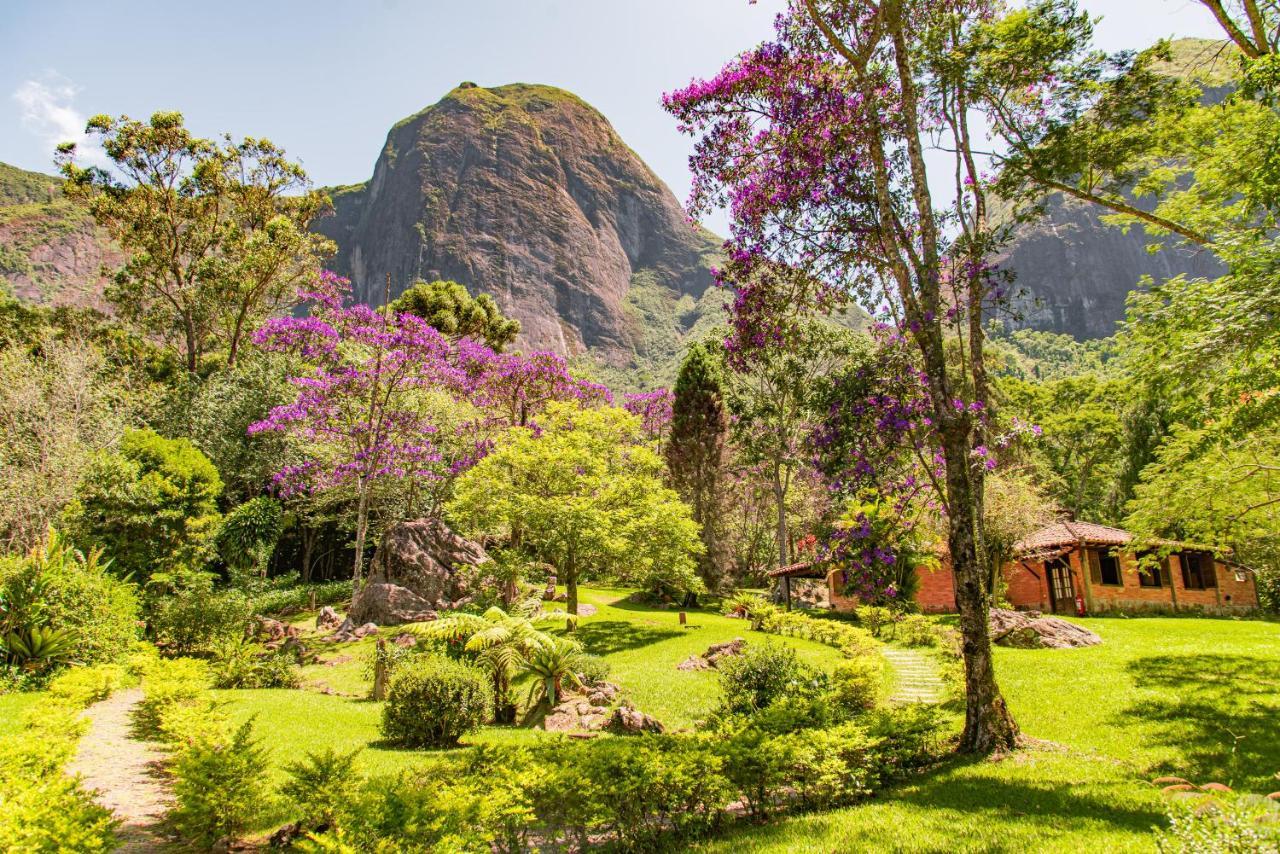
x,y
937,593
1236,595
1130,595
1026,587
835,586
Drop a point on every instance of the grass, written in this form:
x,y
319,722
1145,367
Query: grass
x,y
642,644
1195,697
13,708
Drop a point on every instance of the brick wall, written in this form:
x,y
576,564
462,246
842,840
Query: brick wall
x,y
937,594
1237,594
1130,595
1026,587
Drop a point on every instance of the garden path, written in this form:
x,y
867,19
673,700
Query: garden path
x,y
123,772
917,679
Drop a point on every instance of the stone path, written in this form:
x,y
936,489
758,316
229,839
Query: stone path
x,y
917,676
122,772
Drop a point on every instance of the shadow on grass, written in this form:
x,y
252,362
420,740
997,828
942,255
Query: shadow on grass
x,y
605,637
1009,808
1220,710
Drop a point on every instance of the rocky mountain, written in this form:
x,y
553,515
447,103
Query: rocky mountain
x,y
528,194
50,250
1075,271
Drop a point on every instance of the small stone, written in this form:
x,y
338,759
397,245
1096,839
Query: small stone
x,y
694,662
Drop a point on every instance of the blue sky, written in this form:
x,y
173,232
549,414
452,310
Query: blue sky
x,y
327,79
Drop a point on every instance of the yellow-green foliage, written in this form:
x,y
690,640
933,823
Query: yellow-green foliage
x,y
166,683
41,808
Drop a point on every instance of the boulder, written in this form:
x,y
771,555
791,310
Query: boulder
x,y
549,594
630,721
575,714
603,694
727,649
328,619
270,630
427,558
389,605
1033,630
366,630
586,610
715,653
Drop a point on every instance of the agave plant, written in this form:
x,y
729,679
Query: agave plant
x,y
37,648
500,641
553,665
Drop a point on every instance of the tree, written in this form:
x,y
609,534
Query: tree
x,y
696,452
772,397
59,407
359,408
151,506
447,307
584,493
248,537
815,141
216,234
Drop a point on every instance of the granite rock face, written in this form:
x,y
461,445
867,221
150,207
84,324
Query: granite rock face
x,y
1073,271
525,193
428,558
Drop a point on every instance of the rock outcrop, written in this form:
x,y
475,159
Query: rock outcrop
x,y
427,559
390,605
1033,630
527,193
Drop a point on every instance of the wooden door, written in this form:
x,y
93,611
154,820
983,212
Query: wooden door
x,y
1062,592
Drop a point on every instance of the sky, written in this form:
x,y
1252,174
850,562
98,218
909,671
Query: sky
x,y
326,79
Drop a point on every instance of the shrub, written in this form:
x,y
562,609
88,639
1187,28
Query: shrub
x,y
247,538
434,701
850,640
281,596
591,669
152,506
761,675
165,683
59,588
219,785
874,618
84,686
239,663
857,684
41,807
196,617
917,630
320,784
1212,818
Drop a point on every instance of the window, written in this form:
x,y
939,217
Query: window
x,y
1151,571
1197,571
1109,569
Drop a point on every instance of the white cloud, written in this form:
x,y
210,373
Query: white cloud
x,y
48,111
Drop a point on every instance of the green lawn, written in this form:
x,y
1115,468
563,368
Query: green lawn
x,y
1195,697
642,644
12,709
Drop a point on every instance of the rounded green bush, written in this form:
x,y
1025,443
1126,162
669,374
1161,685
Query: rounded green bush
x,y
434,701
857,684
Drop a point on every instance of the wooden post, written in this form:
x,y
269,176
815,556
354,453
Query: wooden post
x,y
313,600
683,618
380,672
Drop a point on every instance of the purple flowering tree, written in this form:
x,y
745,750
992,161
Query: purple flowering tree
x,y
655,409
815,141
356,408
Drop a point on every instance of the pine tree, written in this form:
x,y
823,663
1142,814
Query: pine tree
x,y
696,450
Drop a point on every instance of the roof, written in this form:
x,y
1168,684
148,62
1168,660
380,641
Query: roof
x,y
1071,534
1065,535
799,570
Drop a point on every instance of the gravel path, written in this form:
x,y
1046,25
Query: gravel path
x,y
123,772
918,680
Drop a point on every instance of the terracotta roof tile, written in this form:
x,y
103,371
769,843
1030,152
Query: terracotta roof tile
x,y
1071,533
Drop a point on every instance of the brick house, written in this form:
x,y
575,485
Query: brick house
x,y
1075,568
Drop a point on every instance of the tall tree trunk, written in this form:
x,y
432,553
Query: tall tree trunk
x,y
571,583
308,546
362,527
988,725
780,498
